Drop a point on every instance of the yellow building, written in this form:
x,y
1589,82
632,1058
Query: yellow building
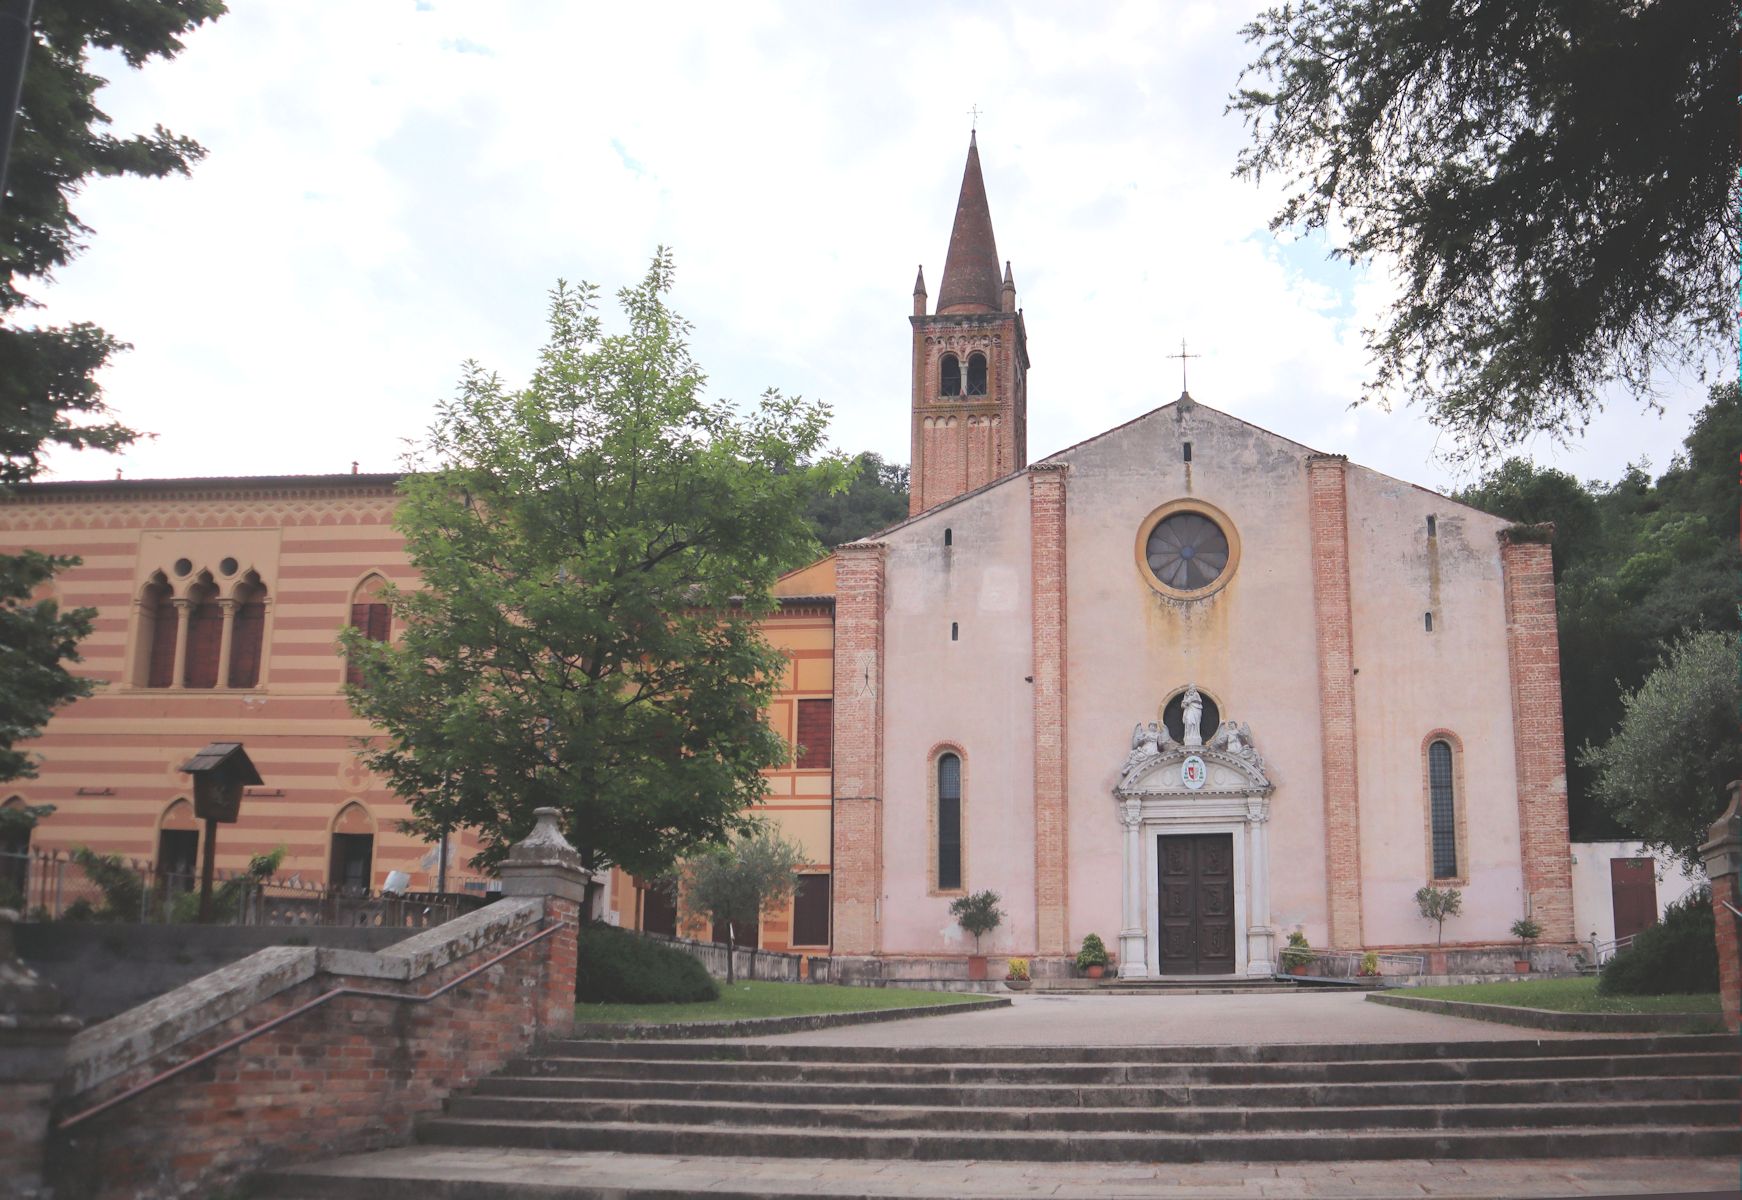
x,y
219,602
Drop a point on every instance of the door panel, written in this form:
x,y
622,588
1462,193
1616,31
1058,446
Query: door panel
x,y
1633,888
1196,893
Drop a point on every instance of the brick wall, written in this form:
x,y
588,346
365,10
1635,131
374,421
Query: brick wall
x,y
350,1075
858,746
1046,499
1328,517
1534,659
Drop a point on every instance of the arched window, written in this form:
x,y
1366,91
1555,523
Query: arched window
x,y
15,852
205,635
976,374
178,847
1442,809
950,376
948,822
248,635
370,614
157,632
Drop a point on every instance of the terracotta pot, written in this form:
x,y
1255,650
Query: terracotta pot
x,y
1521,965
1019,985
1095,972
1298,969
976,966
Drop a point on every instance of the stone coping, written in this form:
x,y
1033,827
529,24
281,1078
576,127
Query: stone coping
x,y
1563,1022
759,1026
123,1042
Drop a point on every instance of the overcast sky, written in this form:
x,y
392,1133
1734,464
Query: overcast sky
x,y
393,185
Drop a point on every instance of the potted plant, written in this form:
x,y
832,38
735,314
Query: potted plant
x,y
1297,954
1092,958
1370,964
978,914
1526,931
1016,976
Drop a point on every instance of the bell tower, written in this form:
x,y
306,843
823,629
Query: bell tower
x,y
970,362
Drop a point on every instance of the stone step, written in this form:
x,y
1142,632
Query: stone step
x,y
1129,1119
1550,1047
1044,1074
1672,1141
1611,1090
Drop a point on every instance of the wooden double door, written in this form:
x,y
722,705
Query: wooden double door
x,y
1196,891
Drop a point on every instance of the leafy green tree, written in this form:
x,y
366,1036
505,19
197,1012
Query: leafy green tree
x,y
1436,904
595,551
734,884
37,641
49,395
978,914
875,499
1557,183
1665,771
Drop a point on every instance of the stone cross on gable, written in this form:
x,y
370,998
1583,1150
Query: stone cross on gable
x,y
1182,356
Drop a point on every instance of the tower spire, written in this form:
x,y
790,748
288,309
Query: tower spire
x,y
972,280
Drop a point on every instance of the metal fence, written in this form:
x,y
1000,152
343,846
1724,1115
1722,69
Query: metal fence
x,y
1348,964
54,885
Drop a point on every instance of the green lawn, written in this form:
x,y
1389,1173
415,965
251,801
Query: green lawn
x,y
1565,995
745,999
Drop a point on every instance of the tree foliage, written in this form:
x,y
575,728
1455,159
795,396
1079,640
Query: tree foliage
x,y
978,914
1556,183
732,885
37,641
1436,904
1664,772
875,499
49,393
1639,562
595,551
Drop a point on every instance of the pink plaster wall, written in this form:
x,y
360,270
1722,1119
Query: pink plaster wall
x,y
1412,683
972,693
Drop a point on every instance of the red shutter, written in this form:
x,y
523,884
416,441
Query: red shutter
x,y
816,734
205,638
246,644
160,673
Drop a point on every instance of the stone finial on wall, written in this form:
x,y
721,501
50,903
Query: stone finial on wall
x,y
34,1032
544,864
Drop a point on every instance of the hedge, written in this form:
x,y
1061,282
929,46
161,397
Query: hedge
x,y
616,967
1677,956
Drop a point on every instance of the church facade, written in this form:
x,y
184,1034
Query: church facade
x,y
1187,685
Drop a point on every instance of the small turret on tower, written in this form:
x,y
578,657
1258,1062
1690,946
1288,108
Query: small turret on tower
x,y
919,292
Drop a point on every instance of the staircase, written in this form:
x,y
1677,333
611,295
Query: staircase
x,y
1645,1096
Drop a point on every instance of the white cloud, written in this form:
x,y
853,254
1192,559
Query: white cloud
x,y
392,188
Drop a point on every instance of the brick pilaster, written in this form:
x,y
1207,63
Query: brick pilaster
x,y
1722,857
1046,508
1539,745
858,850
1328,520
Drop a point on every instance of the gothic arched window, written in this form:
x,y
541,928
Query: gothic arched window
x,y
950,376
976,374
947,821
157,634
1442,809
248,633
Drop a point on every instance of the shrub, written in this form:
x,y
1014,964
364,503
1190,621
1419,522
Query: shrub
x,y
1298,953
1093,953
1436,905
1370,963
1678,955
977,914
1018,969
616,967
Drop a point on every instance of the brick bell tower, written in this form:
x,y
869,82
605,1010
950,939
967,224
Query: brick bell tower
x,y
970,362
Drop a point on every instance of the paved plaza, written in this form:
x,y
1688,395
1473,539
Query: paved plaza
x,y
1172,1020
574,1174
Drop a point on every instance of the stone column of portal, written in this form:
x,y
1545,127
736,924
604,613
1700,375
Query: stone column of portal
x,y
1133,942
1539,745
225,640
183,610
1722,856
1328,518
1260,937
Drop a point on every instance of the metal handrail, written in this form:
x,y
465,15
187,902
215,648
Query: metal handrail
x,y
334,994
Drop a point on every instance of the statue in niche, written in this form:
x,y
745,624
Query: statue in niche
x,y
1192,716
